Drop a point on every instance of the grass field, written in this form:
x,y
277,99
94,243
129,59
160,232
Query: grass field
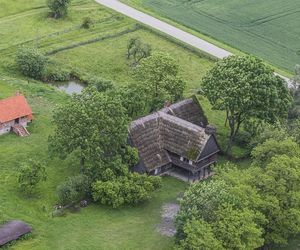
x,y
268,29
96,227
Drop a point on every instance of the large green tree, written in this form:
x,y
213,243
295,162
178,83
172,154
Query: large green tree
x,y
279,186
93,123
245,88
226,210
158,75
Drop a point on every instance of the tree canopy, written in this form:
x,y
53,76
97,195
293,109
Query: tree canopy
x,y
93,123
244,87
59,8
249,208
158,75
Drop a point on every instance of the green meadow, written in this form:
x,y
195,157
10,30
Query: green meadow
x,y
95,227
268,29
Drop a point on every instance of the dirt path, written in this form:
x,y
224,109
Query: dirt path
x,y
167,225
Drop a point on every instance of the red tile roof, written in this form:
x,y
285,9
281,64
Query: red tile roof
x,y
14,107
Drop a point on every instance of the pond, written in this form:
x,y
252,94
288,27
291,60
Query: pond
x,y
71,87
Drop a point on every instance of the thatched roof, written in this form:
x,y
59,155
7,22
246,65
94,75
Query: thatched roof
x,y
12,231
189,110
167,131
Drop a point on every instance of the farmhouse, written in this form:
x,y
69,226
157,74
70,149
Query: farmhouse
x,y
15,114
175,139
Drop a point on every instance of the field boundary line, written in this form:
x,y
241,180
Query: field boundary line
x,y
172,31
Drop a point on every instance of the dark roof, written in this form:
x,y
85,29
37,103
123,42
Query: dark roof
x,y
167,130
12,231
14,107
189,110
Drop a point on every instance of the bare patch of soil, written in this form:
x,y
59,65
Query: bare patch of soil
x,y
167,225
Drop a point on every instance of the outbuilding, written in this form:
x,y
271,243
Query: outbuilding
x,y
15,114
13,230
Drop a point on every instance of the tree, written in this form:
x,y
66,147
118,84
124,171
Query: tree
x,y
269,131
137,50
229,205
199,236
279,186
135,99
93,123
159,78
294,112
245,88
31,62
238,228
30,175
59,8
294,130
263,153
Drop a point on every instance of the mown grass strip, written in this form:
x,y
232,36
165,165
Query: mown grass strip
x,y
98,39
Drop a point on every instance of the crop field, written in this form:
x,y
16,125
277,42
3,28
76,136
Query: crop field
x,y
268,29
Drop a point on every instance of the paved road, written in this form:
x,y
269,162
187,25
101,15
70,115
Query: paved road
x,y
165,28
169,29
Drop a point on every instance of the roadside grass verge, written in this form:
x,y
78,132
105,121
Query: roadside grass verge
x,y
146,6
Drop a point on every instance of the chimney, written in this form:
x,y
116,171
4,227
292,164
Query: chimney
x,y
210,129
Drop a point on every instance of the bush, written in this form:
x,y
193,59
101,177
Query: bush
x,y
101,84
131,189
31,62
59,8
56,75
87,23
30,174
73,190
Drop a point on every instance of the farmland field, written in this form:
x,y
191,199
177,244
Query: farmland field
x,y
268,29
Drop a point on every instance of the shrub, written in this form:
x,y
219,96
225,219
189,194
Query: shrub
x,y
31,62
30,174
87,23
73,190
56,75
131,189
101,84
59,8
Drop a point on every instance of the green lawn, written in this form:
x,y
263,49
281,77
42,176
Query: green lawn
x,y
268,29
95,227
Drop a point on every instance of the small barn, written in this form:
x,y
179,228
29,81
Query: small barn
x,y
13,230
176,139
15,114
